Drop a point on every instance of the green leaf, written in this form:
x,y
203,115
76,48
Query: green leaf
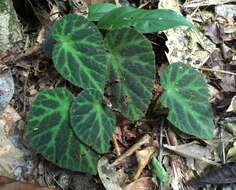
x,y
49,133
145,21
158,170
186,96
98,10
79,54
131,72
49,44
93,122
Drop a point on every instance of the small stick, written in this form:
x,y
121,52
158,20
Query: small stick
x,y
161,140
143,5
216,70
161,145
116,145
144,140
173,164
222,145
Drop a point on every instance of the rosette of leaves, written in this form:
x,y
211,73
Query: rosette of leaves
x,y
80,55
72,131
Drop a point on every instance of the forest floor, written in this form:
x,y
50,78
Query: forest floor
x,y
25,70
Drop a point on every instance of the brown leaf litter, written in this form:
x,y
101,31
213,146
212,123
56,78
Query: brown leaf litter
x,y
10,184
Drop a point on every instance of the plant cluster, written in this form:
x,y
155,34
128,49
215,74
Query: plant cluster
x,y
116,71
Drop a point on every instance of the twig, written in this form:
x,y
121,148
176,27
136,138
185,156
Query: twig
x,y
175,181
25,91
204,3
222,145
160,149
54,179
143,5
216,70
161,139
116,145
144,140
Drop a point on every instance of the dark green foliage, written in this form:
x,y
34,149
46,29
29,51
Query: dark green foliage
x,y
49,44
98,10
69,131
50,134
93,122
79,54
131,71
145,21
186,96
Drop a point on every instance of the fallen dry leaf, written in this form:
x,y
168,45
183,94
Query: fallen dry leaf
x,y
195,151
144,183
232,107
225,10
215,94
232,151
12,155
214,32
230,125
224,174
111,178
143,158
6,89
10,184
186,45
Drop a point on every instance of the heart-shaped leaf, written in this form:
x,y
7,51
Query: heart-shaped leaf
x,y
49,132
93,122
186,96
131,71
145,21
79,54
98,10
